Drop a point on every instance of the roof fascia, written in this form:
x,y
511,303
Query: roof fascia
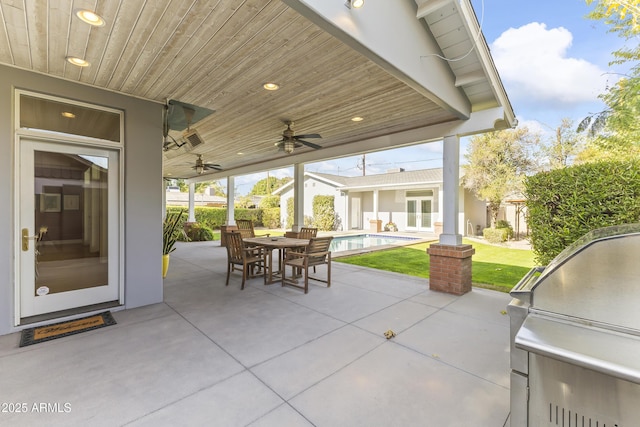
x,y
377,30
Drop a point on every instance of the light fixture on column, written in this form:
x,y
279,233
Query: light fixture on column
x,y
356,4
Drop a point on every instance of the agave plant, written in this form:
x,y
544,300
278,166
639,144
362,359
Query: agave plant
x,y
172,231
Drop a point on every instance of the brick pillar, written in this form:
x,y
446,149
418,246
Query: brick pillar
x,y
450,268
226,229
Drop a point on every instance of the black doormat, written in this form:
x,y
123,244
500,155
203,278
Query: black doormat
x,y
64,329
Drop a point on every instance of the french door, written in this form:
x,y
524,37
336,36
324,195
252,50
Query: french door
x,y
68,226
419,214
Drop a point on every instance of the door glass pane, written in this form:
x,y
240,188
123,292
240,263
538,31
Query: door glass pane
x,y
46,114
411,213
71,218
425,205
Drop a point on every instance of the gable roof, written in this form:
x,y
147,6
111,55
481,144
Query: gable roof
x,y
390,179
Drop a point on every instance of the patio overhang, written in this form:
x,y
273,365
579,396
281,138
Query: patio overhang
x,y
389,62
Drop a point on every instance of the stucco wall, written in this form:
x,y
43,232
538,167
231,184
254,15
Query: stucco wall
x,y
476,215
142,186
312,188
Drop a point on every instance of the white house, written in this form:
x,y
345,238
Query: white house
x,y
410,199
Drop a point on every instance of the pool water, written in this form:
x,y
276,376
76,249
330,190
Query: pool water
x,y
361,241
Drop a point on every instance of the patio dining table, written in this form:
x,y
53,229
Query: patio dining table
x,y
279,243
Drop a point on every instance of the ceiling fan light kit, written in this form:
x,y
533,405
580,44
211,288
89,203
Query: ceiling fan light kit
x,y
290,140
289,145
201,166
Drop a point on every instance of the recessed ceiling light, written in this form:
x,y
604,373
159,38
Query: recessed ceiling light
x,y
356,4
68,114
240,153
90,17
77,61
271,86
357,119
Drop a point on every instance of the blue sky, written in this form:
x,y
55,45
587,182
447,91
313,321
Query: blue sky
x,y
553,63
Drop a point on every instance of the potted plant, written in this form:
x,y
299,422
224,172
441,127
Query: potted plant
x,y
172,232
390,226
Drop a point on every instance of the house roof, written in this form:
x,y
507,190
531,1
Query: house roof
x,y
400,179
393,179
415,70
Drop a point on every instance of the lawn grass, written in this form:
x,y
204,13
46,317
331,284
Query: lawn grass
x,y
493,267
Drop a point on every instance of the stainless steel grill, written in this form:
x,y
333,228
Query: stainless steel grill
x,y
575,335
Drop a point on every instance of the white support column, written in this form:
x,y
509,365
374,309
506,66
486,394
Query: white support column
x,y
346,222
231,183
298,196
375,204
451,188
440,203
192,195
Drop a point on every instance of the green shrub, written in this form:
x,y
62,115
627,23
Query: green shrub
x,y
308,221
324,214
289,222
210,217
215,217
504,225
270,202
495,235
254,215
271,217
564,204
198,233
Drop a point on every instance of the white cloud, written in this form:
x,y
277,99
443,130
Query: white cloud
x,y
533,62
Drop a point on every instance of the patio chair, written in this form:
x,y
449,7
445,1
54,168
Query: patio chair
x,y
316,253
307,233
250,258
304,233
245,227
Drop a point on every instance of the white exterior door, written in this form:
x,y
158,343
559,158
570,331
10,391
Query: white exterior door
x,y
68,226
356,213
419,214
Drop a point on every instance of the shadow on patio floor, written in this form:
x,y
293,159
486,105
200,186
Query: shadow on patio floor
x,y
273,356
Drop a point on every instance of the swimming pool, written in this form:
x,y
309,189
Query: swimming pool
x,y
361,241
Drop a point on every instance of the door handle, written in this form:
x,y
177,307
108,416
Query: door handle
x,y
26,237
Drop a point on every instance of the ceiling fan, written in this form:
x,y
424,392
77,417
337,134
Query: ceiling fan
x,y
201,166
290,140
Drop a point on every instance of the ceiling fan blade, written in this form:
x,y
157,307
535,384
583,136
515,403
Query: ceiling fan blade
x,y
309,135
209,166
310,144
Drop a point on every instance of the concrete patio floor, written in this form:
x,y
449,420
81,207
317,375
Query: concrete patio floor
x,y
271,356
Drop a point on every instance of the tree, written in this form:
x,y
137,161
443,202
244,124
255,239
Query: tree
x,y
622,15
261,187
218,189
200,187
617,128
564,148
497,163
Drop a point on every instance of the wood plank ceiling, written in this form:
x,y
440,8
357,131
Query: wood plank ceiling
x,y
217,55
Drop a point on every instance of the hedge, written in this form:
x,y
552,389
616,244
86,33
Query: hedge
x,y
324,213
564,204
213,218
271,217
495,235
